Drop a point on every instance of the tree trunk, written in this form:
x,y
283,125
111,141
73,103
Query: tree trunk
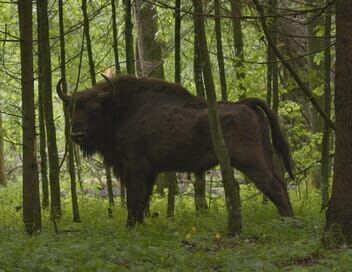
x,y
42,140
115,36
31,196
317,71
325,162
220,54
236,13
339,213
129,38
199,192
45,77
178,41
230,185
69,144
2,157
149,49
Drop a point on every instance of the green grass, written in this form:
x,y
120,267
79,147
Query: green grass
x,y
191,242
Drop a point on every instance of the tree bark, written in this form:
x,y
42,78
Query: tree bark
x,y
339,213
115,36
129,38
2,157
230,185
31,196
220,53
325,161
69,144
45,77
236,14
149,49
177,41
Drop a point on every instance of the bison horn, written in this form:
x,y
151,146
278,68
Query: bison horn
x,y
111,84
64,97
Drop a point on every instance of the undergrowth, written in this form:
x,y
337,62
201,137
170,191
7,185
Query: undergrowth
x,y
189,242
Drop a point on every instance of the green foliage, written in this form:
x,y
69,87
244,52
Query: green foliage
x,y
190,242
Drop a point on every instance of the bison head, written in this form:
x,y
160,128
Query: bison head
x,y
88,114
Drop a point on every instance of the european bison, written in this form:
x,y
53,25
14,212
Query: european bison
x,y
144,126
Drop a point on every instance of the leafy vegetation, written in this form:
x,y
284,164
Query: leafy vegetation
x,y
190,242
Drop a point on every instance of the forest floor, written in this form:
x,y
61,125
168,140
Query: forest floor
x,y
190,242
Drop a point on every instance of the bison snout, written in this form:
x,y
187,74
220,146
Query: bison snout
x,y
78,136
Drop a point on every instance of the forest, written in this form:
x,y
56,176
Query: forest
x,y
173,135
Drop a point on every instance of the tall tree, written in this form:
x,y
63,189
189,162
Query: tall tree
x,y
42,131
220,53
151,62
339,213
325,145
69,144
45,61
129,37
236,14
200,201
31,196
115,36
2,156
230,185
272,67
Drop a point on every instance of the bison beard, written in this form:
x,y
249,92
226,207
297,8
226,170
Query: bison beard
x,y
142,127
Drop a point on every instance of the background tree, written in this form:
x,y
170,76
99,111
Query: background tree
x,y
45,63
230,185
69,144
236,14
339,213
130,62
325,145
31,197
2,158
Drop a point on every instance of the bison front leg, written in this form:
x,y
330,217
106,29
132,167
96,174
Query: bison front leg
x,y
137,192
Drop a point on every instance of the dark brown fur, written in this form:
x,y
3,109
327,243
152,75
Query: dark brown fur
x,y
148,126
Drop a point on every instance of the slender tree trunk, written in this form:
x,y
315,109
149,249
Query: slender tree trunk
x,y
200,202
129,37
178,41
236,13
69,144
31,196
42,140
88,42
197,68
199,192
325,163
316,71
2,157
45,77
339,213
230,185
220,54
115,37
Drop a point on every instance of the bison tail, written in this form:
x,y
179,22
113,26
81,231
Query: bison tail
x,y
279,142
